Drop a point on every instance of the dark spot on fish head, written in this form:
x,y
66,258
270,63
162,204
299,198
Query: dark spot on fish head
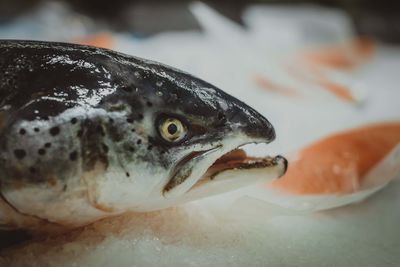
x,y
19,153
54,130
41,151
73,156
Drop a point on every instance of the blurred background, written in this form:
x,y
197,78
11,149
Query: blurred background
x,y
377,19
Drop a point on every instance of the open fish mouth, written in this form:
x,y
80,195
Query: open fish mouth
x,y
238,160
230,168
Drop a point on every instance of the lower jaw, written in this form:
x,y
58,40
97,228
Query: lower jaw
x,y
238,159
191,166
232,171
236,165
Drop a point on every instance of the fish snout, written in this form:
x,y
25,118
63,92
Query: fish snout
x,y
252,124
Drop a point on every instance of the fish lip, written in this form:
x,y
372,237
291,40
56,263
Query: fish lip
x,y
257,163
189,158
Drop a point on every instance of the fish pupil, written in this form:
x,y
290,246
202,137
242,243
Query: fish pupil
x,y
172,129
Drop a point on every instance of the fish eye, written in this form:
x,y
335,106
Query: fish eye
x,y
172,130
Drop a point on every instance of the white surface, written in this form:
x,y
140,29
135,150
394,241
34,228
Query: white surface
x,y
248,233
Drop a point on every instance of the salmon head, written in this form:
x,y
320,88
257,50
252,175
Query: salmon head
x,y
87,133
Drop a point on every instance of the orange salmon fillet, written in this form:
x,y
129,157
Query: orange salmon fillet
x,y
337,164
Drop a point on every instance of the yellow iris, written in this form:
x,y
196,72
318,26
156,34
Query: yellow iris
x,y
172,130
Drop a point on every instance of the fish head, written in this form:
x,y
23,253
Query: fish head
x,y
94,133
191,133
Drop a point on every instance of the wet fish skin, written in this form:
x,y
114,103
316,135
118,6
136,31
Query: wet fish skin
x,y
69,111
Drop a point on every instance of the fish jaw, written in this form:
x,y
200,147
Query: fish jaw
x,y
234,179
224,168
